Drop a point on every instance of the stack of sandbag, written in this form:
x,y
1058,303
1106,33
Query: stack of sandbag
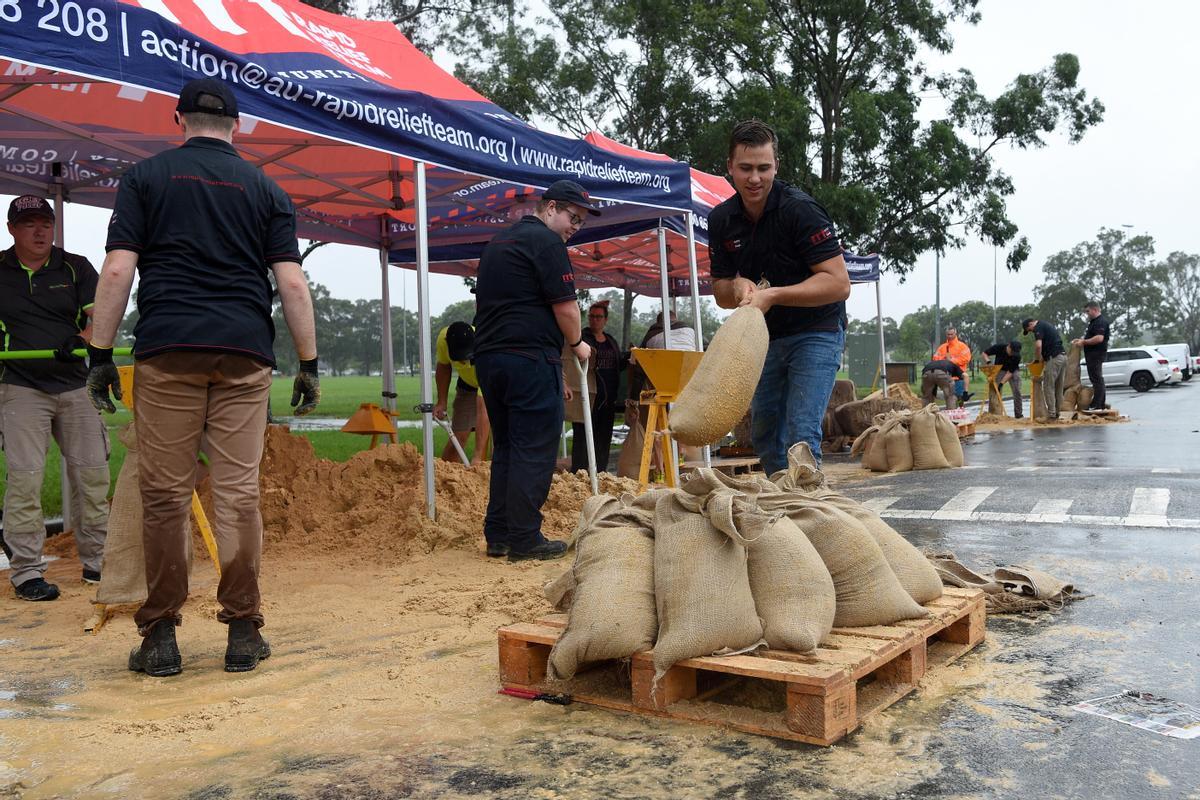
x,y
857,416
1076,396
902,391
833,438
720,390
899,441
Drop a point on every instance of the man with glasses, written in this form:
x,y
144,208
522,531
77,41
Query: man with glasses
x,y
526,310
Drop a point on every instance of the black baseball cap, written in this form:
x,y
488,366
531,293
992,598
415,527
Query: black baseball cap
x,y
460,341
207,96
571,192
1025,325
29,205
1015,344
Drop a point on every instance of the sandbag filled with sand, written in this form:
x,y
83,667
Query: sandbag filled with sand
x,y
923,436
1084,399
802,473
868,592
947,434
855,417
612,612
701,580
911,567
1071,376
719,393
898,447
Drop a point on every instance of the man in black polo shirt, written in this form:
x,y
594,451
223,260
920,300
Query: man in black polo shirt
x,y
1095,350
771,231
203,228
526,310
1008,356
940,373
1048,348
46,304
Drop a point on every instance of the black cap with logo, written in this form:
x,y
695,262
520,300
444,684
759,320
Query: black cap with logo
x,y
29,205
460,341
570,192
207,96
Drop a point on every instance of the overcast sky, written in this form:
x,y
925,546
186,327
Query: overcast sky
x,y
1138,168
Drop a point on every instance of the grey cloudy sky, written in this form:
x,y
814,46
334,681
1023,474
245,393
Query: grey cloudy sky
x,y
1139,167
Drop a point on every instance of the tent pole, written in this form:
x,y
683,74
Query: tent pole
x,y
627,320
666,320
424,336
694,276
388,369
66,489
879,320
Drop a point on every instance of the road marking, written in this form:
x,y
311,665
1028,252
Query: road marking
x,y
1051,506
1086,520
964,503
878,504
1150,502
1166,471
1023,469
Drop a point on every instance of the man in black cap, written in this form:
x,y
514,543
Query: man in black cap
x,y
46,299
203,229
1048,348
1095,351
526,311
1008,356
455,353
940,373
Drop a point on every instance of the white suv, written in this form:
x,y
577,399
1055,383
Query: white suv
x,y
1142,368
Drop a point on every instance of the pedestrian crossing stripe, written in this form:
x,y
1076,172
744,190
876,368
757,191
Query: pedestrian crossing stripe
x,y
1147,509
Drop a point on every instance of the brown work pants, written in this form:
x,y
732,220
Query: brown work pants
x,y
178,399
938,379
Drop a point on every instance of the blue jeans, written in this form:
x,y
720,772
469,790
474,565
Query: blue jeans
x,y
525,406
960,387
792,394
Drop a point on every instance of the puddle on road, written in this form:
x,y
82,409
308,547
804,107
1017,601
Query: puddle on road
x,y
22,699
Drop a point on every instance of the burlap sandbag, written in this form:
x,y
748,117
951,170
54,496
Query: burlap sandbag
x,y
701,580
612,613
793,593
1038,400
875,453
923,436
856,417
629,460
1071,398
802,473
868,592
898,448
1083,401
720,391
918,577
1072,377
947,434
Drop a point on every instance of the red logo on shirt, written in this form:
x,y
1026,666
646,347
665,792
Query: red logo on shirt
x,y
732,245
568,277
821,235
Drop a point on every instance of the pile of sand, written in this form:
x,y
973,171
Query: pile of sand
x,y
902,391
997,421
375,502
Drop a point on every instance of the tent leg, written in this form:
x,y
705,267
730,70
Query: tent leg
x,y
882,349
66,489
627,321
388,368
425,338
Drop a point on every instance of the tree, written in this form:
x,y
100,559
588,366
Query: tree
x,y
1182,289
1118,272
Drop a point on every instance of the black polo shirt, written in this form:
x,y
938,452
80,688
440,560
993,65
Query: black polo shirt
x,y
39,309
1097,327
1051,342
1003,359
793,233
523,271
945,366
206,226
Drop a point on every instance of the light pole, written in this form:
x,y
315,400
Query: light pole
x,y
937,296
994,251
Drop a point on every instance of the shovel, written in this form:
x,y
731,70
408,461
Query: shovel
x,y
587,424
454,440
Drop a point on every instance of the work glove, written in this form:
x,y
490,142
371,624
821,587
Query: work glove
x,y
65,352
306,388
102,377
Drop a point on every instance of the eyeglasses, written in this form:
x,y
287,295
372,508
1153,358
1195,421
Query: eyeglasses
x,y
596,316
576,220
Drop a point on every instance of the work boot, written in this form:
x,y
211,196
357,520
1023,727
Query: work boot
x,y
36,589
547,550
496,550
246,646
158,656
91,576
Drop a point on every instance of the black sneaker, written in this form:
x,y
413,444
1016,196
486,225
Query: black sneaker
x,y
967,396
91,576
547,550
36,589
158,655
496,550
246,646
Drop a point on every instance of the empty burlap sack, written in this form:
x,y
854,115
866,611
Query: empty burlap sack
x,y
701,580
868,592
947,434
123,574
856,417
793,593
923,436
1071,376
612,613
720,390
911,567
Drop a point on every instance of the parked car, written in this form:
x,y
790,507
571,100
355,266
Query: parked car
x,y
1142,368
1180,354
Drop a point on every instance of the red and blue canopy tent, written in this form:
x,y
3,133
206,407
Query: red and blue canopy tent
x,y
374,143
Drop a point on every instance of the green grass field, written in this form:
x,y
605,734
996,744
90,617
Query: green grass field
x,y
340,397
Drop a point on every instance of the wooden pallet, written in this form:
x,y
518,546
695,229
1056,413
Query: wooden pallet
x,y
815,697
965,429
